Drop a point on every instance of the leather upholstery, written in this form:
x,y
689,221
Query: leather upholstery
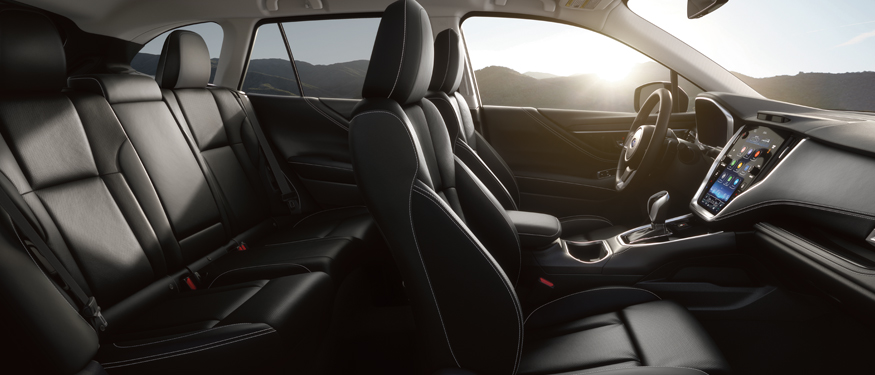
x,y
535,230
110,208
184,61
459,255
448,62
400,69
474,151
31,53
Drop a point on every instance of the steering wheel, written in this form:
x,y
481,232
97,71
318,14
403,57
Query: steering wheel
x,y
643,143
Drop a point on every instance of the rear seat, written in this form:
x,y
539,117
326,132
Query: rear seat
x,y
125,230
201,154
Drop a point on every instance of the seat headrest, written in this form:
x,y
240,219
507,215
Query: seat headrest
x,y
118,88
31,53
403,55
448,63
184,62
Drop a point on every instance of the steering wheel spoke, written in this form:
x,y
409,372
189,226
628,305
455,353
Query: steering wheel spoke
x,y
643,142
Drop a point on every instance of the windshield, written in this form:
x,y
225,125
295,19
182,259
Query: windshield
x,y
814,53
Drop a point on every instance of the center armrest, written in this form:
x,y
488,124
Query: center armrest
x,y
535,230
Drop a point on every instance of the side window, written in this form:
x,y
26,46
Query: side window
x,y
146,61
331,57
530,63
270,70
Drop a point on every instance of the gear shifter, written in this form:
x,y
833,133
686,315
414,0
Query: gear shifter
x,y
657,209
657,206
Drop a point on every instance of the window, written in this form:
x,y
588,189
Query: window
x,y
146,61
530,63
331,57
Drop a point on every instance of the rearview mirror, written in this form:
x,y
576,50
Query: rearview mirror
x,y
644,91
699,8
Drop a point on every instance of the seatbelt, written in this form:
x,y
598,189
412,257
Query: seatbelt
x,y
88,305
288,194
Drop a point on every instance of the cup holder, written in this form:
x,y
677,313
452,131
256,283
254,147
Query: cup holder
x,y
588,252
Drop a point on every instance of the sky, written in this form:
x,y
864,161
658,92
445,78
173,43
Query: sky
x,y
759,38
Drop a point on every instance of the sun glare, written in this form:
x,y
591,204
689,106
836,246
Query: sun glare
x,y
614,73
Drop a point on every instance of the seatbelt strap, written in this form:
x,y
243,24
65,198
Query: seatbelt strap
x,y
289,195
88,305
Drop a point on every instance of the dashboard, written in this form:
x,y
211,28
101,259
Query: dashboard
x,y
801,180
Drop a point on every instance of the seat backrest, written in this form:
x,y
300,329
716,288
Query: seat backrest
x,y
189,219
68,165
219,127
468,144
423,200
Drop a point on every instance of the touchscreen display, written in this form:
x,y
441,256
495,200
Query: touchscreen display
x,y
744,160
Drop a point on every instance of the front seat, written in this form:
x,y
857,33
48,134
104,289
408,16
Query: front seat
x,y
470,146
462,289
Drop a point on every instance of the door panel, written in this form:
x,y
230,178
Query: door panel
x,y
556,156
312,136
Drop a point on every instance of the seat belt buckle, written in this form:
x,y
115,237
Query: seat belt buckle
x,y
190,283
92,311
242,247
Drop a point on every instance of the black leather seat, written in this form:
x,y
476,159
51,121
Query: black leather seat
x,y
70,167
201,154
458,252
470,146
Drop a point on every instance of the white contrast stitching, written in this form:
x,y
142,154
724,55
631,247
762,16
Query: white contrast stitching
x,y
840,210
401,63
240,338
591,290
410,218
264,265
325,114
175,338
455,220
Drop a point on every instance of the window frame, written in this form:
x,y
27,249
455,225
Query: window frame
x,y
279,21
478,13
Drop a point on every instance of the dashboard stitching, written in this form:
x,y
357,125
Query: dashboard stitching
x,y
789,237
774,202
565,182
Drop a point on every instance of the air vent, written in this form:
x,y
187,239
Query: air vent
x,y
772,118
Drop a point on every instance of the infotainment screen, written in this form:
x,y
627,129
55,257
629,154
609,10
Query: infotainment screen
x,y
740,166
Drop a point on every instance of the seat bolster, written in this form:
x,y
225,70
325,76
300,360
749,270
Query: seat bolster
x,y
192,350
653,325
585,304
118,88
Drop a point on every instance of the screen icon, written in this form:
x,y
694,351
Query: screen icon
x,y
733,163
746,167
739,165
749,151
757,154
736,181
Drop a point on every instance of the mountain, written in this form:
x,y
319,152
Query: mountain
x,y
849,91
275,76
540,75
505,86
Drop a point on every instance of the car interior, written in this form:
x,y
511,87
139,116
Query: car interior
x,y
208,187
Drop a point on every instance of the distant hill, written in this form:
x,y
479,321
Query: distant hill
x,y
275,76
850,91
504,86
540,75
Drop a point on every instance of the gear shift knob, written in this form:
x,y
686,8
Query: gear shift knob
x,y
657,208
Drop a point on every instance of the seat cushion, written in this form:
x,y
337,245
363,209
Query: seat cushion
x,y
639,331
354,222
334,256
584,228
223,330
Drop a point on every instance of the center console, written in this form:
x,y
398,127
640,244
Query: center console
x,y
752,153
